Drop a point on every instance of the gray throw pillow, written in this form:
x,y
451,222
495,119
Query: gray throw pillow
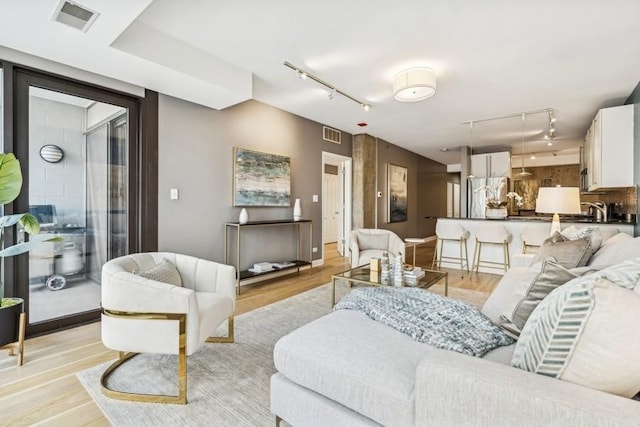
x,y
164,272
569,254
551,275
373,241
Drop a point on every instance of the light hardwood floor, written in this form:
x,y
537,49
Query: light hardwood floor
x,y
45,391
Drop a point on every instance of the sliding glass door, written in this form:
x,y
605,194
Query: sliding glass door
x,y
78,160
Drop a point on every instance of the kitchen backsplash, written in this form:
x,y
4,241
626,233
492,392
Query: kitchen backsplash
x,y
569,176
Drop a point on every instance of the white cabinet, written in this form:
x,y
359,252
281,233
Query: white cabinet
x,y
609,148
491,164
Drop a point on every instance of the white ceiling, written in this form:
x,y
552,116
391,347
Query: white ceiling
x,y
492,58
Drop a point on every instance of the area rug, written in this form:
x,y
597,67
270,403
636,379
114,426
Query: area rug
x,y
228,384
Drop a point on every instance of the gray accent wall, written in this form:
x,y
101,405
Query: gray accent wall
x,y
196,157
426,186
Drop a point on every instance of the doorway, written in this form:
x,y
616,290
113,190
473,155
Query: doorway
x,y
77,150
336,203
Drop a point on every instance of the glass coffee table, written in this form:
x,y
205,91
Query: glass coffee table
x,y
363,275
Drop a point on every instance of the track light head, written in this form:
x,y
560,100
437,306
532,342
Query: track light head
x,y
301,75
366,107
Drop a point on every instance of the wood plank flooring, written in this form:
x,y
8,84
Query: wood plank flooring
x,y
45,391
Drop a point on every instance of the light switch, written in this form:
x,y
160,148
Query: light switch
x,y
315,198
174,194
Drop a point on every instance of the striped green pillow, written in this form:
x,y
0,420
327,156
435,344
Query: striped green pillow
x,y
586,333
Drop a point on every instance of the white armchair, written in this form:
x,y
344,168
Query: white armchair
x,y
142,315
365,244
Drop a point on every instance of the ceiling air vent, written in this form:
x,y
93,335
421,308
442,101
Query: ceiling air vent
x,y
331,135
74,15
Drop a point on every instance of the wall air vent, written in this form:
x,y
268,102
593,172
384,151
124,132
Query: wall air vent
x,y
331,135
74,15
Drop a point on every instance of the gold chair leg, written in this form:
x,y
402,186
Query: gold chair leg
x,y
181,398
466,255
229,338
476,257
435,254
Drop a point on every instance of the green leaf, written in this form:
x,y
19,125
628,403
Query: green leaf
x,y
10,178
21,248
9,220
30,223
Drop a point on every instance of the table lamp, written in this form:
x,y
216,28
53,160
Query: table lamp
x,y
558,200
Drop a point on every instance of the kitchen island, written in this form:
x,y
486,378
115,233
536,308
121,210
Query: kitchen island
x,y
515,225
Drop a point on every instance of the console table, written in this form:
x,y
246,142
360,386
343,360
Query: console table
x,y
246,276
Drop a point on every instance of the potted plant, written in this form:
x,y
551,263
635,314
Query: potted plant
x,y
10,186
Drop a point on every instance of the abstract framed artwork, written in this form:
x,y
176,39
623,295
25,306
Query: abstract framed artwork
x,y
397,193
261,179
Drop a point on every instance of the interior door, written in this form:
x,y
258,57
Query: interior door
x,y
331,208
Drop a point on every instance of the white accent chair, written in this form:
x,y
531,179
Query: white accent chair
x,y
141,315
367,243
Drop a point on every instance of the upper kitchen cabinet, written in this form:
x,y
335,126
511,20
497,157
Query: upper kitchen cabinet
x,y
491,164
608,149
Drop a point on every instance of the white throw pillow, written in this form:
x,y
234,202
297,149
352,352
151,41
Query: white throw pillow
x,y
164,272
587,334
618,248
549,274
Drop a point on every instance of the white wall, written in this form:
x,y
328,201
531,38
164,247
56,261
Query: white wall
x,y
61,184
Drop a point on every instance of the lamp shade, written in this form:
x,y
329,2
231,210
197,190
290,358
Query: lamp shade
x,y
558,200
414,84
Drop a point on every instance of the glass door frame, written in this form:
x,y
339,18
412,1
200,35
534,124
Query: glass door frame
x,y
24,79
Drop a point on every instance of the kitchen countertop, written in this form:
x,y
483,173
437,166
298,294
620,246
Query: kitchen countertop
x,y
572,219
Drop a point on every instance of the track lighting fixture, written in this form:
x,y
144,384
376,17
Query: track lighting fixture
x,y
302,74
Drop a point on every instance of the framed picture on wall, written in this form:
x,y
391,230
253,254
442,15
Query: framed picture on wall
x,y
261,179
397,193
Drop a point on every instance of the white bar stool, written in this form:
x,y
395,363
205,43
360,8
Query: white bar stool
x,y
491,234
532,238
414,241
454,232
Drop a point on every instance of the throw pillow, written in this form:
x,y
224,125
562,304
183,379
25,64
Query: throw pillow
x,y
550,275
586,334
574,233
618,248
373,241
569,254
164,272
625,274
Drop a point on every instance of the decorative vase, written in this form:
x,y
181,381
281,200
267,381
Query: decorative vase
x,y
297,210
244,216
398,271
495,213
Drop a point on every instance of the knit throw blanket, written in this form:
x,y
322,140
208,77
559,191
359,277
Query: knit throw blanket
x,y
428,318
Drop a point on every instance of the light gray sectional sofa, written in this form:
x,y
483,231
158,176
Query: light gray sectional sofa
x,y
347,370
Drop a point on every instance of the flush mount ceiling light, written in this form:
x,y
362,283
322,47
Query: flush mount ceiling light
x,y
414,84
333,91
